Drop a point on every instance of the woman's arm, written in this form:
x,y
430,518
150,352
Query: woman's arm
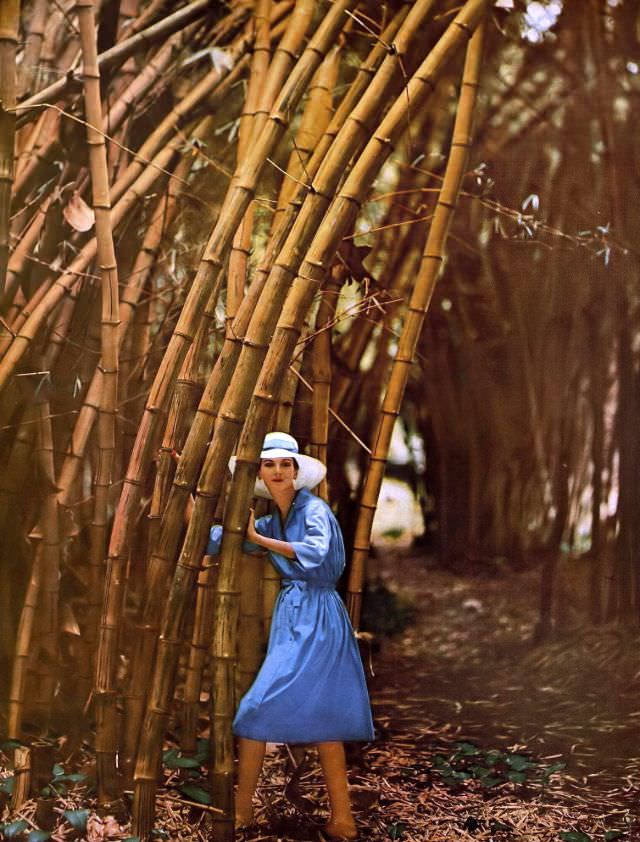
x,y
281,547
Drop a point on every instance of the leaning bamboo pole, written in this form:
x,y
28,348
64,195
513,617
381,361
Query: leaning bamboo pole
x,y
321,371
339,220
417,309
238,198
353,135
189,465
348,142
9,24
28,74
110,305
193,682
240,248
142,267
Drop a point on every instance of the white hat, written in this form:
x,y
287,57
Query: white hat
x,y
278,445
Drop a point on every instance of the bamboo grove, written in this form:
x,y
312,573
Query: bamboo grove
x,y
232,217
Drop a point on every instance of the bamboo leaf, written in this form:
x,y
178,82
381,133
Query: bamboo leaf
x,y
38,836
78,213
77,819
195,793
610,835
575,836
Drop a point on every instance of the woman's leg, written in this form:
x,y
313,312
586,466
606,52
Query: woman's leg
x,y
334,767
250,758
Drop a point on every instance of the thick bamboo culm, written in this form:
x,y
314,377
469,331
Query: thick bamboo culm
x,y
9,23
417,310
311,275
28,72
189,465
346,143
107,782
356,132
236,276
198,655
184,399
250,651
238,199
321,371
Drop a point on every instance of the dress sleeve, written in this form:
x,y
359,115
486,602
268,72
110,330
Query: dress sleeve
x,y
263,526
313,549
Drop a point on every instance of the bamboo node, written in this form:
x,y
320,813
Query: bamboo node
x,y
267,397
426,80
232,419
464,27
260,346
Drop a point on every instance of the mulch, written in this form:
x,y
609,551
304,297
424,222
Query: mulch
x,y
482,737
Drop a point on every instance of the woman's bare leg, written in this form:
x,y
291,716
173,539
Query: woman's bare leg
x,y
250,758
334,768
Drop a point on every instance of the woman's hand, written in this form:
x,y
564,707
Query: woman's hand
x,y
251,527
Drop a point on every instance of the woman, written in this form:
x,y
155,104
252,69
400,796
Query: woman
x,y
311,686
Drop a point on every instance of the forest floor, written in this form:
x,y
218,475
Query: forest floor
x,y
481,735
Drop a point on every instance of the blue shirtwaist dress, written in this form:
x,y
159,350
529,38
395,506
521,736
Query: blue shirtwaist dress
x,y
311,687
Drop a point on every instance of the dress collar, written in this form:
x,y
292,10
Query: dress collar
x,y
302,497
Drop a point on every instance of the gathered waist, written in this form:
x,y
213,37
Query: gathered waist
x,y
305,584
292,589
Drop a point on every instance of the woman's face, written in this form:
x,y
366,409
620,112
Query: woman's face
x,y
278,474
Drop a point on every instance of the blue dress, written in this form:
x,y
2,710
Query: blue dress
x,y
311,686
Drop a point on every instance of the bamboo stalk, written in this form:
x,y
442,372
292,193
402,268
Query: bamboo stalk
x,y
314,266
317,260
190,462
198,655
28,74
238,199
23,648
186,472
9,24
321,372
417,310
107,784
255,90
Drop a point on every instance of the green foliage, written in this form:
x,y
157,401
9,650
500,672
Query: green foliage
x,y
396,830
77,819
10,831
195,793
491,768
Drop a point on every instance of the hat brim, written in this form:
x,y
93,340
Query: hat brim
x,y
311,471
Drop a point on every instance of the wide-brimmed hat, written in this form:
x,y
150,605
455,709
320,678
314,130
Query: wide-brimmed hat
x,y
278,445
